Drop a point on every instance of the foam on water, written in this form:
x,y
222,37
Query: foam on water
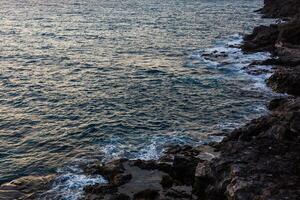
x,y
227,54
69,184
150,150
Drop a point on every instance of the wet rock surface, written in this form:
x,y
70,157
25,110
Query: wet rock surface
x,y
258,161
283,41
171,177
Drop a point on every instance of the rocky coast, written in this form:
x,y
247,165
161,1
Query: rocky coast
x,y
260,160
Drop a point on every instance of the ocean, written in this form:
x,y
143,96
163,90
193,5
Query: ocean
x,y
94,80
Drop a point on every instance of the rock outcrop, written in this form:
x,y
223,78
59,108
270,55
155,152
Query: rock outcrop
x,y
280,8
258,161
283,40
171,177
262,159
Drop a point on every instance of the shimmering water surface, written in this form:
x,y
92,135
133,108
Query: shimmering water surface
x,y
97,79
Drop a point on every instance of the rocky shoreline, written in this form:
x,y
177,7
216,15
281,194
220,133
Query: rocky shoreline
x,y
258,161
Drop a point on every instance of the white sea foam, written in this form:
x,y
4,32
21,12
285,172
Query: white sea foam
x,y
69,184
151,152
227,54
112,151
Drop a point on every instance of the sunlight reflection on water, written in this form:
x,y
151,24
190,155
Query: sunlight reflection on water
x,y
78,77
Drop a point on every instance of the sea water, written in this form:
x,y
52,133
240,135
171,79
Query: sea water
x,y
94,80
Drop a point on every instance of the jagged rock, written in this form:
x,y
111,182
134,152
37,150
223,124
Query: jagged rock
x,y
184,169
101,189
254,156
112,168
286,80
148,194
280,9
277,103
263,38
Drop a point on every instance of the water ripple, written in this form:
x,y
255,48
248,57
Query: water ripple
x,y
102,79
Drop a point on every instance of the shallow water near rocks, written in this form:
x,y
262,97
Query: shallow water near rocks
x,y
95,80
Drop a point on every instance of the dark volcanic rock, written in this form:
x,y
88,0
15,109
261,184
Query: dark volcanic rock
x,y
121,179
139,179
263,38
120,197
286,80
179,192
280,8
283,40
184,169
257,161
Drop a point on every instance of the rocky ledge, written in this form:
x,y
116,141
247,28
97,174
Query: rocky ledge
x,y
283,41
170,177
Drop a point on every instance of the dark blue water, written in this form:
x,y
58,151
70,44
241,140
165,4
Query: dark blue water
x,y
99,79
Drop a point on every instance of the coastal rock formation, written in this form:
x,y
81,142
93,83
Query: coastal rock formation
x,y
258,161
286,80
171,177
280,8
261,160
283,40
263,38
